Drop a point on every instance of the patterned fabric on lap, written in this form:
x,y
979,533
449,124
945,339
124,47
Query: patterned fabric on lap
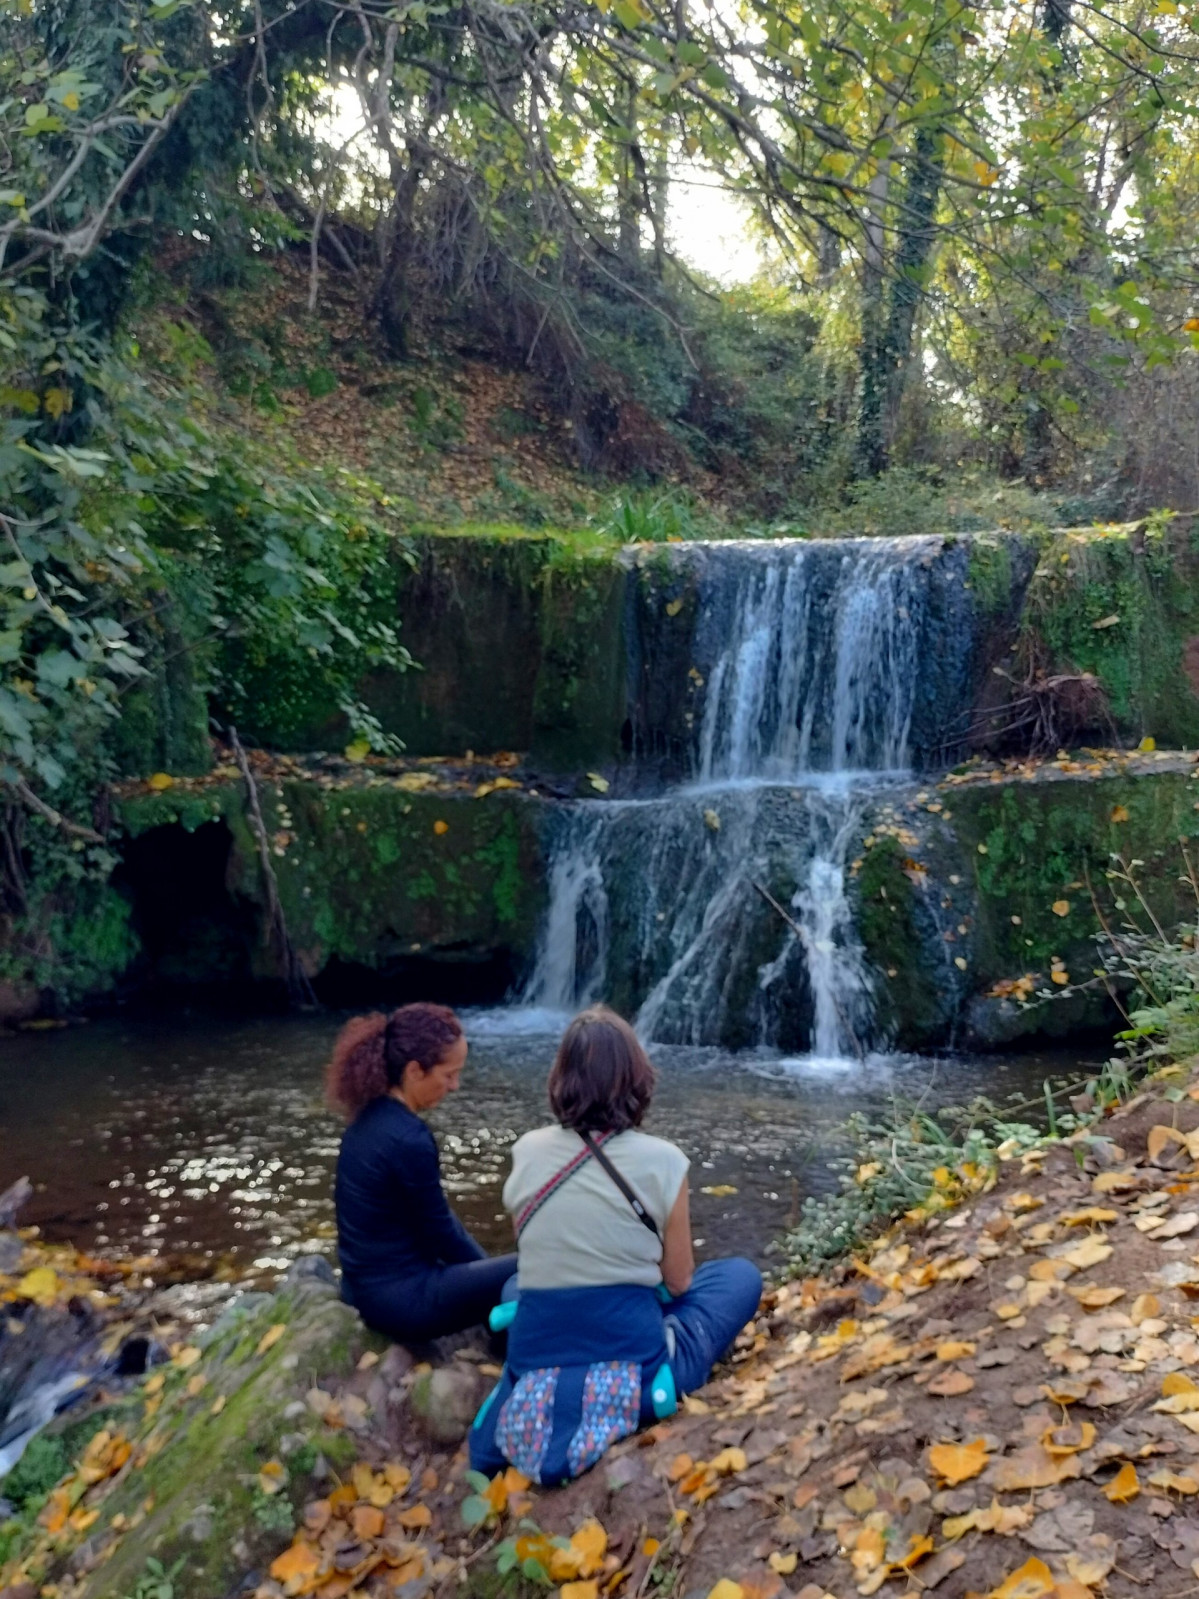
x,y
611,1411
526,1420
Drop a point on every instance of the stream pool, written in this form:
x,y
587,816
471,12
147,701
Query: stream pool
x,y
208,1137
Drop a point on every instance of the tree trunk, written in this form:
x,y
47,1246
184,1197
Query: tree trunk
x,y
917,240
889,307
871,448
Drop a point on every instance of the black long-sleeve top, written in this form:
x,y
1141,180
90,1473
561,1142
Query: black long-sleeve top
x,y
392,1216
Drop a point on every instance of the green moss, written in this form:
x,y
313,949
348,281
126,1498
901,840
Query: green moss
x,y
911,1008
202,1481
1033,846
578,700
186,808
1122,603
371,872
990,572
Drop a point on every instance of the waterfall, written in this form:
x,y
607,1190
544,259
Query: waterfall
x,y
818,671
809,656
572,958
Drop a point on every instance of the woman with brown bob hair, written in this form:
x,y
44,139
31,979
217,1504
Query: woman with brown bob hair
x,y
614,1318
409,1266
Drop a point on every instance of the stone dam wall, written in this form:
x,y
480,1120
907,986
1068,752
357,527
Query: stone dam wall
x,y
592,666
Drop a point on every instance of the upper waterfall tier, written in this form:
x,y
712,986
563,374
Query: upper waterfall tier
x,y
767,659
816,651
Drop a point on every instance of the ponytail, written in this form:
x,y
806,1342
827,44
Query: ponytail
x,y
371,1052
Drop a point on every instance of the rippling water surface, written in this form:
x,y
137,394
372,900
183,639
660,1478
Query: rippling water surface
x,y
210,1137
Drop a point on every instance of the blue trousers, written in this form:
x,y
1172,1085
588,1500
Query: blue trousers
x,y
723,1296
442,1300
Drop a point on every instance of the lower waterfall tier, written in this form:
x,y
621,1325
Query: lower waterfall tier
x,y
904,914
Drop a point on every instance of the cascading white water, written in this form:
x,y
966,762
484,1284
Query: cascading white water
x,y
572,958
812,654
818,670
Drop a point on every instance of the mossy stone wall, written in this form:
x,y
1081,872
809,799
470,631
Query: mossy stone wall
x,y
519,642
1015,879
370,873
1123,603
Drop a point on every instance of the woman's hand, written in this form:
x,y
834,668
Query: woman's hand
x,y
678,1257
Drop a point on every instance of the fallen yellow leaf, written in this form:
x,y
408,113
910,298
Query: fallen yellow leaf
x,y
272,1477
367,1522
1169,1479
1030,1581
1033,1467
296,1566
1068,1440
1161,1138
1096,1298
1090,1252
160,781
918,1547
1092,1214
440,827
271,1337
1061,907
1124,1486
725,1589
42,1285
580,1590
783,1565
1112,1182
1144,1306
727,1461
956,1463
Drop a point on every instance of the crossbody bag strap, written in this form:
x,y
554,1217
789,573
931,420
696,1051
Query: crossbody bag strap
x,y
639,1210
550,1188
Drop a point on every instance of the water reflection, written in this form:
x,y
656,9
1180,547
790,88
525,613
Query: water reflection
x,y
211,1137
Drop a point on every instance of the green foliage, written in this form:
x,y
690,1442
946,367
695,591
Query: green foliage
x,y
273,1513
158,1581
899,1163
44,1462
654,517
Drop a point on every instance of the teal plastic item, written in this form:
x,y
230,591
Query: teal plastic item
x,y
663,1393
502,1316
485,1407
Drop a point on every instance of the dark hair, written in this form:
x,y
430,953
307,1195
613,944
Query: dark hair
x,y
371,1052
601,1079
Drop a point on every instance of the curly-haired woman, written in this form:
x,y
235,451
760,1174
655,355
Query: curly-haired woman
x,y
409,1266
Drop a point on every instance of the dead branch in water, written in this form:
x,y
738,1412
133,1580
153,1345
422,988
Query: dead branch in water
x,y
299,989
803,939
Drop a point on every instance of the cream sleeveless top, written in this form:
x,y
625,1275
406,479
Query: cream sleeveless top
x,y
587,1235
